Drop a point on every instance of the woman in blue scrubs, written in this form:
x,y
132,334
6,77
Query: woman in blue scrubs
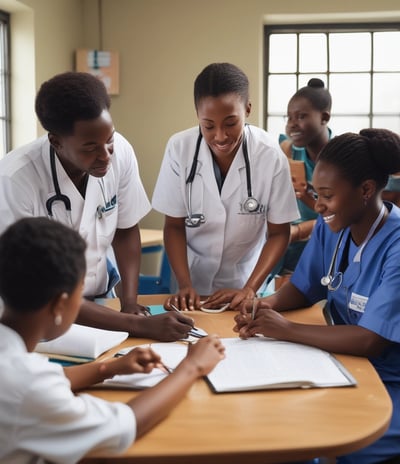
x,y
357,242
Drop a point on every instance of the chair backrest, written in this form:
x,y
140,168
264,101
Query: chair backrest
x,y
154,284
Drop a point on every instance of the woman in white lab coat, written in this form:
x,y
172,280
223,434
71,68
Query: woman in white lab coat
x,y
224,188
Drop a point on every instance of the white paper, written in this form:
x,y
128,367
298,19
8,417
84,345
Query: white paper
x,y
263,363
83,341
171,355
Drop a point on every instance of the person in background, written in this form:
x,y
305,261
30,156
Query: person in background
x,y
307,133
84,174
42,270
352,260
392,190
224,187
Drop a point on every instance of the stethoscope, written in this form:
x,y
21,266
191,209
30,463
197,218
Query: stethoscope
x,y
250,205
334,280
100,210
58,196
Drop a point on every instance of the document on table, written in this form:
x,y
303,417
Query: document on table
x,y
258,363
171,354
262,363
82,342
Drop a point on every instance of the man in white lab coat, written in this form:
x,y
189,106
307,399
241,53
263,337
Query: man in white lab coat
x,y
85,175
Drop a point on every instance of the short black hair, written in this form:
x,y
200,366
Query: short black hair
x,y
316,93
39,260
70,97
371,154
219,79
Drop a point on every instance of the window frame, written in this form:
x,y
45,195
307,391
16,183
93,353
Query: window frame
x,y
5,114
324,28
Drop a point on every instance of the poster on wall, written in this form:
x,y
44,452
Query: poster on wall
x,y
102,64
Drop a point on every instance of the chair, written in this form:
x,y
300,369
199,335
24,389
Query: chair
x,y
153,284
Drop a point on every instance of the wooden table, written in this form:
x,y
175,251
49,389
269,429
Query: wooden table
x,y
151,237
264,426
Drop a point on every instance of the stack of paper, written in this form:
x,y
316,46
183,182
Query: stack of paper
x,y
81,342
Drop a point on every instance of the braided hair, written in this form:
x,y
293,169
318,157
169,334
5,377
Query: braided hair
x,y
371,154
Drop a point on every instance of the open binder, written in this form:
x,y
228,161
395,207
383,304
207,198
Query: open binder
x,y
258,363
262,363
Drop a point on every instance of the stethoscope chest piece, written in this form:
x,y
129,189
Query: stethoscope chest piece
x,y
326,280
250,205
194,220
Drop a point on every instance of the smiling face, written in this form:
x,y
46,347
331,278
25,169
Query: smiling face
x,y
305,124
339,202
89,148
222,121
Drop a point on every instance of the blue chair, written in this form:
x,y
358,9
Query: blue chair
x,y
153,284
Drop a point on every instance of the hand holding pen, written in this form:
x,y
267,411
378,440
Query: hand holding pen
x,y
194,331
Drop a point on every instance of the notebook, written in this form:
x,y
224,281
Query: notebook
x,y
82,343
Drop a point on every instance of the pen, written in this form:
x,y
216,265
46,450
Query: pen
x,y
254,308
168,370
160,364
194,331
174,308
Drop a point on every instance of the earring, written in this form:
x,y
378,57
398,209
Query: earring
x,y
58,320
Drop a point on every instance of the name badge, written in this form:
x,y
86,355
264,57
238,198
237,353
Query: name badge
x,y
358,302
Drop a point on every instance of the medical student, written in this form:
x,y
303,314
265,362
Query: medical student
x,y
352,260
42,268
226,193
307,132
84,174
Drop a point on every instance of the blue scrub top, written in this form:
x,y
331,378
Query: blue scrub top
x,y
369,296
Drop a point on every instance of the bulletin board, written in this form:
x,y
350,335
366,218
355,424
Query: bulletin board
x,y
102,64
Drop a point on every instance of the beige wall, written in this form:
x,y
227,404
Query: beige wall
x,y
44,36
163,45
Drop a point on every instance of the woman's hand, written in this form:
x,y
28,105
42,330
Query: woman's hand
x,y
186,299
140,359
234,296
206,354
266,321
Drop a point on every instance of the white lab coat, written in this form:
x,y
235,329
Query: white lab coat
x,y
41,419
26,184
224,250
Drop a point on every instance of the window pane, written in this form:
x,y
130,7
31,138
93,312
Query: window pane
x,y
312,53
342,124
350,93
350,51
282,53
276,126
386,93
387,122
280,90
386,51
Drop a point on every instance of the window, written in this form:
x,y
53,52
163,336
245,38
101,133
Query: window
x,y
359,64
5,143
